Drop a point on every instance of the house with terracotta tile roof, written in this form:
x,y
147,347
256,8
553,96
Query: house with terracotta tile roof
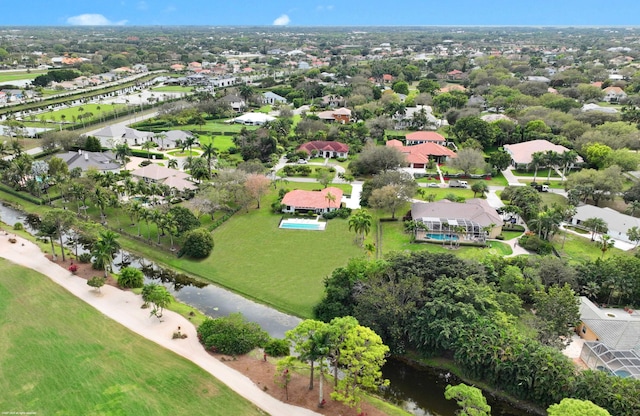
x,y
319,202
614,94
340,115
522,153
455,74
419,137
325,149
418,156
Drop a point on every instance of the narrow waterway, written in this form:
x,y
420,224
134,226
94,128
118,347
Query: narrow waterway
x,y
419,390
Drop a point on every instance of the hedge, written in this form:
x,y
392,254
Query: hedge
x,y
21,195
143,153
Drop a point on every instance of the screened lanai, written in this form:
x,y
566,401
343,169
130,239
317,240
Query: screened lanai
x,y
452,229
622,363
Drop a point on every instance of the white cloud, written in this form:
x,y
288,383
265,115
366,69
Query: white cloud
x,y
92,19
142,5
282,20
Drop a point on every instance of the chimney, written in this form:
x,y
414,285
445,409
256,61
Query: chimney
x,y
79,151
86,156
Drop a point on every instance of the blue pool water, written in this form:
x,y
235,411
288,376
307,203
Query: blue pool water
x,y
301,226
445,237
622,373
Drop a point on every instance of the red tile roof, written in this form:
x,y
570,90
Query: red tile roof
x,y
312,199
420,153
430,136
324,145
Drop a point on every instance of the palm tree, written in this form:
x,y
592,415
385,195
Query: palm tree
x,y
552,159
137,211
105,248
567,159
330,198
208,152
123,152
173,163
80,111
596,225
633,207
161,136
360,222
537,160
605,243
147,216
148,145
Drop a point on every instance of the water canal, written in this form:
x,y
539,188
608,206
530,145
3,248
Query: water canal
x,y
419,390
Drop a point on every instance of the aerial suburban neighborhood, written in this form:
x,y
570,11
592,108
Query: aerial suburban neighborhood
x,y
312,217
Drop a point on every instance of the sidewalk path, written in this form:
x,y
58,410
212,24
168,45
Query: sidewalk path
x,y
124,308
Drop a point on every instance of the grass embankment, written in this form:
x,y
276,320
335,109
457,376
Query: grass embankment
x,y
60,356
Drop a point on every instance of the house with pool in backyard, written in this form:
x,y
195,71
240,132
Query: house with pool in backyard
x,y
304,202
473,221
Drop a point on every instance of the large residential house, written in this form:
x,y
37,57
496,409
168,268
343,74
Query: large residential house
x,y
237,103
618,224
326,149
418,156
522,153
612,339
420,137
116,134
272,98
173,178
614,94
340,115
85,160
441,218
319,202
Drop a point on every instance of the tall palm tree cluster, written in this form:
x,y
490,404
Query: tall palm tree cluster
x,y
553,160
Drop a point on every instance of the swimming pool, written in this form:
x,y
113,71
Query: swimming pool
x,y
441,237
300,224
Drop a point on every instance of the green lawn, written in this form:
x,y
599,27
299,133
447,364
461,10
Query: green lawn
x,y
540,177
15,76
440,193
222,143
578,249
179,153
509,235
216,126
284,268
70,113
60,356
549,198
556,183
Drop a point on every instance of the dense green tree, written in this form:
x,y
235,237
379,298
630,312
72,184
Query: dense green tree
x,y
232,335
198,244
375,159
558,312
470,399
473,127
576,407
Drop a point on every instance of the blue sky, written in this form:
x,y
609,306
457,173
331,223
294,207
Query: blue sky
x,y
321,13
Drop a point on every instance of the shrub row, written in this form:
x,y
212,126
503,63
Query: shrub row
x,y
21,195
217,223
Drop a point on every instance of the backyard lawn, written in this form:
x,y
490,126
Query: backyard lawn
x,y
71,112
173,88
222,143
284,268
60,356
578,249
